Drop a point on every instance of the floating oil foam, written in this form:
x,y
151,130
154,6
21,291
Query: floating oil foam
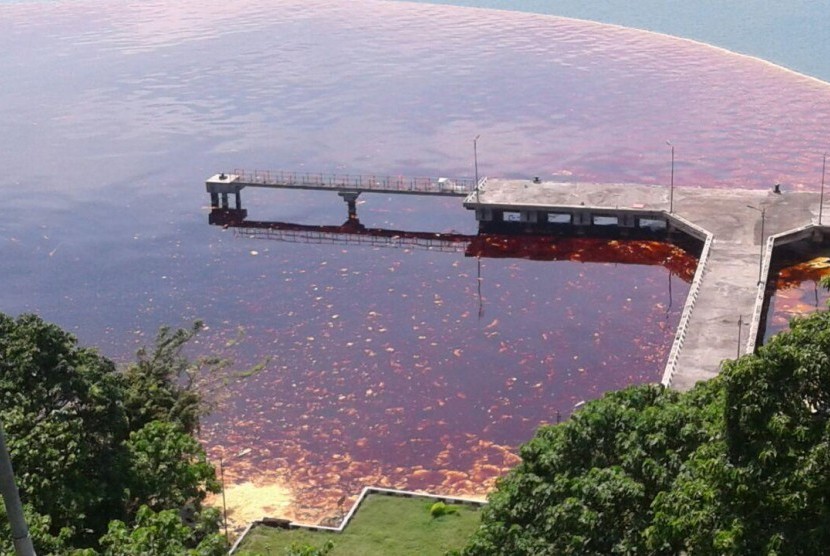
x,y
415,378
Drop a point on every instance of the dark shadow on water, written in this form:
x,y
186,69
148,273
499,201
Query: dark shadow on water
x,y
557,245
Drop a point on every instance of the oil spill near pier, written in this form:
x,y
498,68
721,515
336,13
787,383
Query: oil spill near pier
x,y
386,366
797,290
418,368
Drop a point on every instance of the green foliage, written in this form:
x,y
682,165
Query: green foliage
x,y
61,406
163,384
590,480
85,452
440,509
298,549
159,451
158,534
160,382
738,465
40,529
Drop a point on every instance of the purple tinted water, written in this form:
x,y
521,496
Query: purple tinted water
x,y
381,369
388,368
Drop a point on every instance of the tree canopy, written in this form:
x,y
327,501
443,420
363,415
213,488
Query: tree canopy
x,y
739,464
98,452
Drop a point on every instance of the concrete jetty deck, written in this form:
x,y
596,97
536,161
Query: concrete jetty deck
x,y
737,229
730,280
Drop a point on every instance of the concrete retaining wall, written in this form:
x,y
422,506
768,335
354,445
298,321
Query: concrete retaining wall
x,y
810,231
687,227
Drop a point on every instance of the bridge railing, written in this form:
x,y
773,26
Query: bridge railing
x,y
691,299
449,186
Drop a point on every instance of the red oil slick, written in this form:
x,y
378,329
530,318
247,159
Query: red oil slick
x,y
798,290
422,370
410,366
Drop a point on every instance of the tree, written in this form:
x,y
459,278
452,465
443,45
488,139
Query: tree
x,y
765,487
738,465
159,534
65,422
585,486
159,451
163,384
769,480
85,451
40,530
160,384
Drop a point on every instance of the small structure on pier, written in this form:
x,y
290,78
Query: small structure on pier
x,y
520,205
222,185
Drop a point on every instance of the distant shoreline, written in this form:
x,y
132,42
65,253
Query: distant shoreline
x,y
764,30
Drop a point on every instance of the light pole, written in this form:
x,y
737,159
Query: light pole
x,y
475,161
671,183
763,211
740,324
480,300
224,504
241,453
21,539
821,199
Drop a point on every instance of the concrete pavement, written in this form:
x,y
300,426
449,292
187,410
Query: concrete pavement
x,y
728,283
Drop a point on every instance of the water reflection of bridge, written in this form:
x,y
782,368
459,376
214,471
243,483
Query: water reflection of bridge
x,y
318,236
352,233
495,246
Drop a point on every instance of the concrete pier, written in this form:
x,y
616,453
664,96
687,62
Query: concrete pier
x,y
731,278
734,229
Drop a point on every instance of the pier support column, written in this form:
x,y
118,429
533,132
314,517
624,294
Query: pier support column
x,y
220,186
351,201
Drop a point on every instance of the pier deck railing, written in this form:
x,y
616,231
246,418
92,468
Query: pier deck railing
x,y
358,183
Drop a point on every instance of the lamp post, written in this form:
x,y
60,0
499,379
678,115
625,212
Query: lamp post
x,y
821,199
763,211
21,539
241,453
478,280
475,161
671,183
740,324
224,504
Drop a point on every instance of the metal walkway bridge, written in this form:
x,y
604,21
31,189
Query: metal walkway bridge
x,y
348,186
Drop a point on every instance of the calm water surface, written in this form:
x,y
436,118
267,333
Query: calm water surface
x,y
792,34
407,367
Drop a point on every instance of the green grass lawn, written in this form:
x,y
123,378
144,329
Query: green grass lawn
x,y
383,525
